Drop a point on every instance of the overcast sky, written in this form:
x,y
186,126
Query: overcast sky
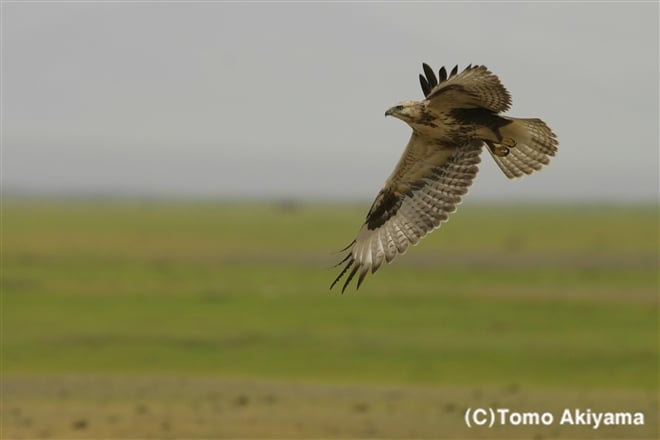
x,y
287,100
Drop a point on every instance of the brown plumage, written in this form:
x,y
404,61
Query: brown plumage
x,y
459,115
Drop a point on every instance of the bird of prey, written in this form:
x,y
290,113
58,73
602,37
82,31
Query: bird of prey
x,y
459,115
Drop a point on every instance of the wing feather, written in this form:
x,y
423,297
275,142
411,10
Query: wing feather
x,y
417,198
389,239
401,240
442,74
474,87
428,81
426,87
430,75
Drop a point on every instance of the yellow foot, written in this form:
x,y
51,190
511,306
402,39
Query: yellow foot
x,y
509,142
500,150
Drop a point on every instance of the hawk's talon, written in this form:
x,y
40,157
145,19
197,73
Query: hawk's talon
x,y
501,150
509,142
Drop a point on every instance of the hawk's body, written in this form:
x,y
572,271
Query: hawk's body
x,y
450,127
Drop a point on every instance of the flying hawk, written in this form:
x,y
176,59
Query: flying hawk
x,y
460,113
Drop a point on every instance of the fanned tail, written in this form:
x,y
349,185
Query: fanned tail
x,y
534,144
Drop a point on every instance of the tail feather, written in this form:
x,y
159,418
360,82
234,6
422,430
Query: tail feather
x,y
535,144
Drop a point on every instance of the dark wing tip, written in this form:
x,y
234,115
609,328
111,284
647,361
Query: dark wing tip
x,y
350,276
349,262
349,255
346,248
442,74
430,75
426,88
454,71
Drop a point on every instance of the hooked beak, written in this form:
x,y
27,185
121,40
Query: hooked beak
x,y
394,111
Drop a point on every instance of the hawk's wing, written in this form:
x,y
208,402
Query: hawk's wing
x,y
425,187
474,87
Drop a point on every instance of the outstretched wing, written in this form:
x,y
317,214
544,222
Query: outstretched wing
x,y
425,187
474,87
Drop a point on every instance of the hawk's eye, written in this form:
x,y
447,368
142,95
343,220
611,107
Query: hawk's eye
x,y
398,107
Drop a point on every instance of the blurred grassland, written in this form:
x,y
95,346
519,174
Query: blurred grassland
x,y
550,296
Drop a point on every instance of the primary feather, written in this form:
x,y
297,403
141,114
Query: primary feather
x,y
450,127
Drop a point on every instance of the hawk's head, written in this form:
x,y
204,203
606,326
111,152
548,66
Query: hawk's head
x,y
406,110
414,113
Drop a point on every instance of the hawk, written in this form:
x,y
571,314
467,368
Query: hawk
x,y
460,113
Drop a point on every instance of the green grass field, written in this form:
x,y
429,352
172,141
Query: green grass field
x,y
530,305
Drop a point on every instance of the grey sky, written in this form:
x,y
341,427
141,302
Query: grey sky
x,y
287,100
